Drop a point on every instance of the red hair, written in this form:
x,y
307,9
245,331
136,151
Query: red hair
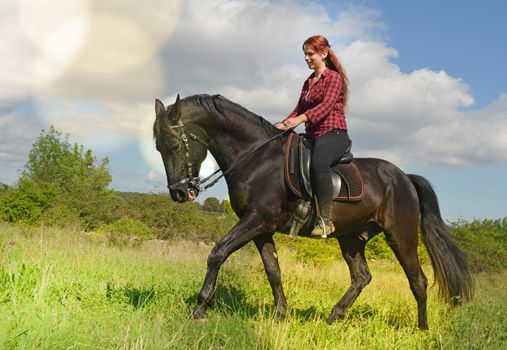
x,y
321,45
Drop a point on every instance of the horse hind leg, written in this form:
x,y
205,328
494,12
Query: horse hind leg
x,y
403,241
352,248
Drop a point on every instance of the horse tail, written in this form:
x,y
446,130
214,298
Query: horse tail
x,y
452,272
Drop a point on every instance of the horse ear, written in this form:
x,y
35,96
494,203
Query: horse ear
x,y
175,112
159,107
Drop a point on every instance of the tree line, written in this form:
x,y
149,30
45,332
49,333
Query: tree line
x,y
64,185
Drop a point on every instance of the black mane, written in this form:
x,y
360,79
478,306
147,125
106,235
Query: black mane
x,y
225,112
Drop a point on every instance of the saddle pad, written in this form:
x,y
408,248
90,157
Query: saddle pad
x,y
352,182
352,188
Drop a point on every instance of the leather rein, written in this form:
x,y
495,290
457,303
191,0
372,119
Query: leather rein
x,y
195,181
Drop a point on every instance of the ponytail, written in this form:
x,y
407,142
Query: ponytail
x,y
333,63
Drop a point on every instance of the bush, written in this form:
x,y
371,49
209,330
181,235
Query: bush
x,y
127,227
315,251
26,202
61,216
169,220
485,243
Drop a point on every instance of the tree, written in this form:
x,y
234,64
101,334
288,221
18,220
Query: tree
x,y
53,160
212,204
61,178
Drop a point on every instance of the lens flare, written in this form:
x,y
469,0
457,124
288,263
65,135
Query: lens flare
x,y
57,29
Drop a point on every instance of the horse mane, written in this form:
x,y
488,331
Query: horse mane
x,y
226,112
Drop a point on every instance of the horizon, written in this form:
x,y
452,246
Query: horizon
x,y
427,82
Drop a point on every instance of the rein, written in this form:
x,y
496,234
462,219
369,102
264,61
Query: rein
x,y
195,181
231,168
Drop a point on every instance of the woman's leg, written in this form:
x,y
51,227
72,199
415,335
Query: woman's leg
x,y
327,150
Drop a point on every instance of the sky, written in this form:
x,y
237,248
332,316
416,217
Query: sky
x,y
428,81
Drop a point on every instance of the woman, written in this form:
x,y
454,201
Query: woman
x,y
321,107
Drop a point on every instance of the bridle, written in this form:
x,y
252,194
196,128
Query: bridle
x,y
195,181
192,180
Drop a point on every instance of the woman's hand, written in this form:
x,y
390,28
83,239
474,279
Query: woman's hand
x,y
291,123
281,126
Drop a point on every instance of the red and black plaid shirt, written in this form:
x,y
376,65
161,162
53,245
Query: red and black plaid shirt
x,y
322,104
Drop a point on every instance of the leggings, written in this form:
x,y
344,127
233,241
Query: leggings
x,y
328,149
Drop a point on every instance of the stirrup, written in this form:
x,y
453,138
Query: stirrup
x,y
322,229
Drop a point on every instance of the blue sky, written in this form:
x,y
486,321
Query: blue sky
x,y
428,81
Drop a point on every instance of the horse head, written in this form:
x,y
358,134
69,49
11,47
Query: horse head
x,y
182,150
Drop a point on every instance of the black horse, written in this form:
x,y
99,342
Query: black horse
x,y
394,203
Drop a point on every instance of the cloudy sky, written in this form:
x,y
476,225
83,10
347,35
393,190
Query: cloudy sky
x,y
428,80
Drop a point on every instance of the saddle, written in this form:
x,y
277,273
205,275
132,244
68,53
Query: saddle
x,y
347,179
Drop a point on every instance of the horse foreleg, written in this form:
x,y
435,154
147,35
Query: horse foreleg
x,y
267,250
353,252
244,231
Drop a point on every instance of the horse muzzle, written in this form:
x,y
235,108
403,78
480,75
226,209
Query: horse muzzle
x,y
184,190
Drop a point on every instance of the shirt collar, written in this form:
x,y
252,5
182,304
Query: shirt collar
x,y
324,73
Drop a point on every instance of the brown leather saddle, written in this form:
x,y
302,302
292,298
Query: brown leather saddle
x,y
347,179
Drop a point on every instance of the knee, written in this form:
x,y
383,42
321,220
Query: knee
x,y
362,279
216,257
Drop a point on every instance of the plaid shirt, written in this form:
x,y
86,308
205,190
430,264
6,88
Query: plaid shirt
x,y
322,104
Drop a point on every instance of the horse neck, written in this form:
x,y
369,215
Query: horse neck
x,y
233,137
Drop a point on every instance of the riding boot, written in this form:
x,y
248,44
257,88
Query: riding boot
x,y
323,189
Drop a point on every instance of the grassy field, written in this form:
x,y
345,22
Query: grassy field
x,y
66,290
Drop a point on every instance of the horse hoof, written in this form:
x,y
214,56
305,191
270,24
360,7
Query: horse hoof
x,y
281,316
198,313
331,319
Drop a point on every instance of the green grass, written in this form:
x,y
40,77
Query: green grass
x,y
65,290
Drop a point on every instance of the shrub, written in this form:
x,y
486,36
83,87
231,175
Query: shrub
x,y
127,227
61,216
25,202
485,243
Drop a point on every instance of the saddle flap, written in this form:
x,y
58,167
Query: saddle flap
x,y
305,156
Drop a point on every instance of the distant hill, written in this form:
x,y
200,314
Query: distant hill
x,y
3,186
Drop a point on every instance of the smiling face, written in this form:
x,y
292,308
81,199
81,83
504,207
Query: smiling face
x,y
314,59
181,153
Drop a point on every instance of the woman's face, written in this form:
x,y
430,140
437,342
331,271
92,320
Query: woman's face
x,y
313,58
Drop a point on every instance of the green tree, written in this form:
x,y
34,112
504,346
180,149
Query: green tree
x,y
212,204
61,182
54,160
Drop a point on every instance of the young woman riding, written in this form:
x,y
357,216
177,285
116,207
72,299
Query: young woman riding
x,y
321,107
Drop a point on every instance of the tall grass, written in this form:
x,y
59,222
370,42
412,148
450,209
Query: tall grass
x,y
65,290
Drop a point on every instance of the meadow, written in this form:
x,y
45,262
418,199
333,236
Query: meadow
x,y
63,289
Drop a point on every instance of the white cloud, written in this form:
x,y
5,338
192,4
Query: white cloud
x,y
418,117
249,51
153,177
17,134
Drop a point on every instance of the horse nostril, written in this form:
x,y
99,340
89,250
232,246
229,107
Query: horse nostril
x,y
178,195
182,195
